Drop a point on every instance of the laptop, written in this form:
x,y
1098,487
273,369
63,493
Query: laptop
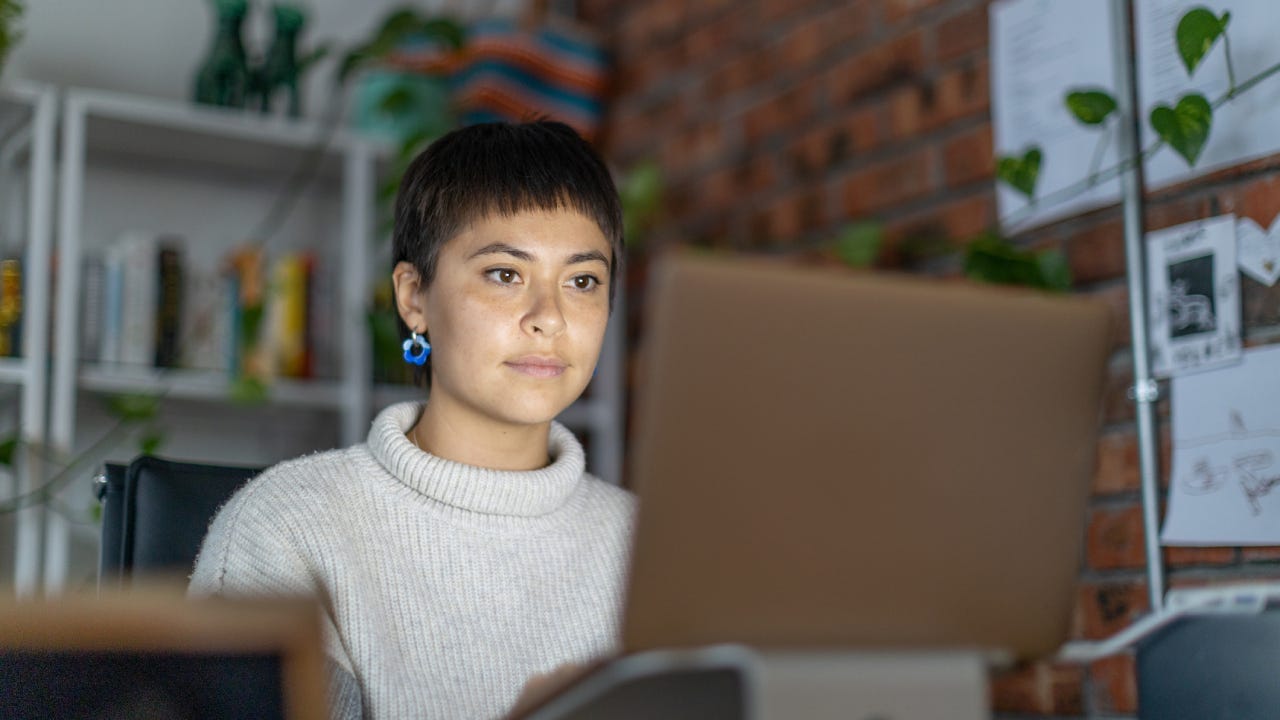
x,y
151,653
833,460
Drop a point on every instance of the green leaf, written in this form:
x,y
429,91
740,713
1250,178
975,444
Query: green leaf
x,y
7,449
1091,107
859,244
1185,126
150,443
249,391
133,407
641,195
993,259
1197,31
1021,173
398,27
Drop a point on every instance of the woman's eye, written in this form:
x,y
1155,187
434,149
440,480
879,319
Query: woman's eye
x,y
505,276
585,282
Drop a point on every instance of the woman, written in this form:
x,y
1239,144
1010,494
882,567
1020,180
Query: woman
x,y
463,548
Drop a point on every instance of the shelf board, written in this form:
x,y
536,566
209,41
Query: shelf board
x,y
13,370
205,385
129,126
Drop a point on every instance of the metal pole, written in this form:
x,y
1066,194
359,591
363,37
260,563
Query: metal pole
x,y
1145,392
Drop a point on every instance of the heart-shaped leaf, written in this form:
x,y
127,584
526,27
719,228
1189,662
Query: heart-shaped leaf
x,y
1185,126
1021,173
1197,31
1091,107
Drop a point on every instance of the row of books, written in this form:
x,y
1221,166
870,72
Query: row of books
x,y
143,304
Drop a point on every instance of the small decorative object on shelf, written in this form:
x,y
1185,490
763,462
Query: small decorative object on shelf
x,y
223,78
282,69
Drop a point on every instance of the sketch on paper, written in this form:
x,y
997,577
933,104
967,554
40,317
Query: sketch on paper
x,y
1250,462
1194,296
1225,479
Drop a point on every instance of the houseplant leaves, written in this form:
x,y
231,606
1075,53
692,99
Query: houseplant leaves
x,y
1091,107
1197,31
1021,173
1185,126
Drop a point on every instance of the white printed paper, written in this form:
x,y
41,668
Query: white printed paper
x,y
1225,479
1258,250
1243,128
1193,296
1040,51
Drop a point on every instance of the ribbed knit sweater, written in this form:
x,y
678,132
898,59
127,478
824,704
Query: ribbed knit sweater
x,y
445,586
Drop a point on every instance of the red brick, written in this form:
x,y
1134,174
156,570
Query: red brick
x,y
801,46
961,34
895,10
848,22
713,38
926,105
738,74
1116,405
1117,466
888,183
1260,554
1260,304
1116,298
1258,199
693,147
969,157
1114,685
1108,608
1198,556
756,174
793,215
886,65
1115,539
1039,688
778,113
1097,253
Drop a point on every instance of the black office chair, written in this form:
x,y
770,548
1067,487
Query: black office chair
x,y
155,514
1211,667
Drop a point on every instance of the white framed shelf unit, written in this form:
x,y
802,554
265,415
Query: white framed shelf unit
x,y
28,125
207,175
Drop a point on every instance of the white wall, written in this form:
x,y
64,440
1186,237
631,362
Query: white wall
x,y
153,47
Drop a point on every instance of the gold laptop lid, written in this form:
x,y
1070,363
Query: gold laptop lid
x,y
830,459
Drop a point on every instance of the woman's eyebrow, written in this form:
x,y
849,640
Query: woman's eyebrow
x,y
500,248
589,256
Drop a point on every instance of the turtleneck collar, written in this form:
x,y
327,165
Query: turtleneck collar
x,y
468,487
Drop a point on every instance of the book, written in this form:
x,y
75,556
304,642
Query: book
x,y
139,292
169,298
287,323
10,307
93,280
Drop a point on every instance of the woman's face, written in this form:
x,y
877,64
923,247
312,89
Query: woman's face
x,y
516,315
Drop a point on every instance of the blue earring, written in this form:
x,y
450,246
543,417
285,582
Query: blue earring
x,y
416,350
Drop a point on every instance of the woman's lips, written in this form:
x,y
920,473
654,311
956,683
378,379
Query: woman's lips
x,y
537,367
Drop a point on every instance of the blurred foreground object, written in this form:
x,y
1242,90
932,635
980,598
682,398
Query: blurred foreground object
x,y
155,654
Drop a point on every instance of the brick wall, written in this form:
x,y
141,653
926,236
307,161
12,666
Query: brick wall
x,y
777,121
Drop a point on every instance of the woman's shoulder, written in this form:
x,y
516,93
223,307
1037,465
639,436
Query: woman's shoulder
x,y
302,482
608,497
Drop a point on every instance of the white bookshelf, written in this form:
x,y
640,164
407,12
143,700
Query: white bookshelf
x,y
207,175
28,121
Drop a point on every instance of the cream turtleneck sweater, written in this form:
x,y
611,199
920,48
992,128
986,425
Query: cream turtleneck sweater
x,y
446,586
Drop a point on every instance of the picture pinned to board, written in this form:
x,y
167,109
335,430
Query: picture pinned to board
x,y
1258,250
1225,480
1193,296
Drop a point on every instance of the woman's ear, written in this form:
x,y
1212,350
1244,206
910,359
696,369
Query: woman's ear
x,y
410,296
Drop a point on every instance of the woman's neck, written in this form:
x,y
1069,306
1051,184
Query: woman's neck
x,y
454,433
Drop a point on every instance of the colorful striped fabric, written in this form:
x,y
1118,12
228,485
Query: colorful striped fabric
x,y
507,72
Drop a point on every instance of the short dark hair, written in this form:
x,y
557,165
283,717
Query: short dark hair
x,y
500,169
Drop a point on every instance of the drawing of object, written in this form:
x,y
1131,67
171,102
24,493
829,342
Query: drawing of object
x,y
1204,478
1254,484
1189,311
1250,453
